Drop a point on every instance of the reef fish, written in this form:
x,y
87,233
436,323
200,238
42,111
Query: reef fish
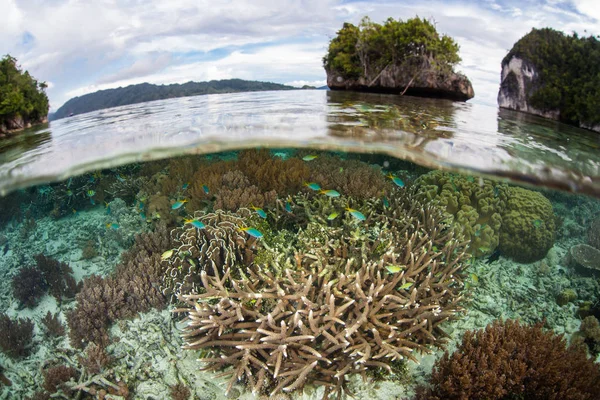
x,y
333,216
309,157
392,269
90,194
261,213
120,178
397,181
195,223
313,186
330,193
185,186
112,225
494,257
205,189
178,204
252,232
405,286
356,214
288,207
385,201
166,255
538,223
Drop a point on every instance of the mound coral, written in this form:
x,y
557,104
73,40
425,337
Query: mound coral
x,y
512,361
527,226
474,206
330,306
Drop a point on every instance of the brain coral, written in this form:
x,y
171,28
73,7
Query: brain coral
x,y
474,206
527,231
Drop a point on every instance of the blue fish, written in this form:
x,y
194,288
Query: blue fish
x,y
313,186
330,193
261,213
205,188
120,178
288,207
178,204
252,232
356,214
399,182
195,223
385,201
185,186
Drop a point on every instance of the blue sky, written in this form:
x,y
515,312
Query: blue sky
x,y
81,46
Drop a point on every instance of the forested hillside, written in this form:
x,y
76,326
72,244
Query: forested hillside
x,y
147,92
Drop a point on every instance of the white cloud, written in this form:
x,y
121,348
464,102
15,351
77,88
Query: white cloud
x,y
590,8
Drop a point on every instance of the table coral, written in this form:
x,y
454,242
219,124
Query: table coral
x,y
527,231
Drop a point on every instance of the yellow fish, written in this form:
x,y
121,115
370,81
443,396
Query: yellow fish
x,y
309,157
405,286
392,269
166,255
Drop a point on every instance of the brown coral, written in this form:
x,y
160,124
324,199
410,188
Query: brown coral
x,y
29,286
58,277
508,361
16,337
53,326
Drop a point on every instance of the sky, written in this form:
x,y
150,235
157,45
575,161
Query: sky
x,y
81,46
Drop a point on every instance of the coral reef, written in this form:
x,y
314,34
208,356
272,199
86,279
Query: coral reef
x,y
133,288
95,359
475,207
16,337
590,332
508,360
566,296
219,245
593,235
29,286
585,258
527,231
56,377
332,307
180,392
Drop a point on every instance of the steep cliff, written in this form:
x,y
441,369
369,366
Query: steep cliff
x,y
398,57
555,76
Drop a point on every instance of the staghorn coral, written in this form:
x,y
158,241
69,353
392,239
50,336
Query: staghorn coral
x,y
282,176
217,246
58,277
512,361
527,231
95,360
475,206
29,286
16,337
331,308
133,288
237,192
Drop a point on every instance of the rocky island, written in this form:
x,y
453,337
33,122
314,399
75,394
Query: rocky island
x,y
396,57
553,75
23,101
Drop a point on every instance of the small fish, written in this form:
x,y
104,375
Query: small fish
x,y
166,255
405,286
205,189
141,206
356,214
185,186
341,169
252,232
74,211
309,157
397,181
91,179
120,178
112,225
91,193
474,278
493,257
385,201
332,216
261,213
330,193
5,250
69,192
143,215
69,182
178,204
195,223
393,269
538,223
288,207
107,206
313,186
478,233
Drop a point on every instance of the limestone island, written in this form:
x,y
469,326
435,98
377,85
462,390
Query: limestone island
x,y
396,57
553,75
23,100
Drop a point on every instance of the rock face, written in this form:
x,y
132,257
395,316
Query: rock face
x,y
520,80
18,124
394,79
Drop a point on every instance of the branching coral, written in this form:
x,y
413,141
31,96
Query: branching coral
x,y
16,337
133,288
513,361
53,326
58,277
332,308
29,286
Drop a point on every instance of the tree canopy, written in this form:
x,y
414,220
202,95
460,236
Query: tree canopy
x,y
569,73
20,94
357,51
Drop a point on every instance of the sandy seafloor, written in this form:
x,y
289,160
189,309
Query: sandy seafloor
x,y
148,354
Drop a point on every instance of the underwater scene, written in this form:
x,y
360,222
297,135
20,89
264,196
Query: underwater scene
x,y
297,274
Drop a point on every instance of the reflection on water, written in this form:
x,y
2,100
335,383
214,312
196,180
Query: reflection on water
x,y
298,274
432,133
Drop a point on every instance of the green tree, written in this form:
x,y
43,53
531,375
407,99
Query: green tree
x,y
20,94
